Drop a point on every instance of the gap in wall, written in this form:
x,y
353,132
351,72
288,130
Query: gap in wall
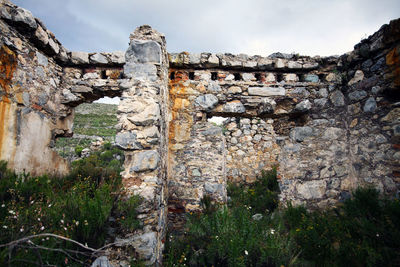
x,y
94,124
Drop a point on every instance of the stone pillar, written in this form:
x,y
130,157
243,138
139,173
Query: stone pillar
x,y
142,134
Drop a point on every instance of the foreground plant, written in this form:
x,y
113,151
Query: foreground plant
x,y
251,231
66,219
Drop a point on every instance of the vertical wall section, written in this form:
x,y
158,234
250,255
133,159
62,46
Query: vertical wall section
x,y
143,128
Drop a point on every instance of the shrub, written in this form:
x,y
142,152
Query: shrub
x,y
231,236
127,212
78,150
262,196
77,206
361,232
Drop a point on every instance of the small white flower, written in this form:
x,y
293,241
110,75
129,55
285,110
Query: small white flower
x,y
50,205
62,221
65,228
38,219
32,201
77,223
3,205
42,228
5,226
377,235
246,252
272,231
21,230
47,238
11,212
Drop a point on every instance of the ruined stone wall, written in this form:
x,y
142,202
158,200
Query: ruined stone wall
x,y
327,124
41,82
262,99
143,135
29,109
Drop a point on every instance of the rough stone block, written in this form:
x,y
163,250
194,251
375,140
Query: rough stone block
x,y
42,59
234,107
127,141
303,106
294,65
79,57
267,91
299,134
337,98
141,71
24,16
145,161
143,51
206,102
98,59
311,78
312,189
41,35
357,95
370,105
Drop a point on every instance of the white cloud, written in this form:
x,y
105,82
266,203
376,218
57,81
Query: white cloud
x,y
254,27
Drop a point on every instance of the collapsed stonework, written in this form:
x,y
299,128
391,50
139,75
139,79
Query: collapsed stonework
x,y
328,124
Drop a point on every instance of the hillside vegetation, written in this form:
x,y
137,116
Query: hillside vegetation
x,y
92,120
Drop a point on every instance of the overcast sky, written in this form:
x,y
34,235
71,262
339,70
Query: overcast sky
x,y
254,27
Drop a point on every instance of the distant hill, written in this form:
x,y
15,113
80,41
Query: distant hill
x,y
92,120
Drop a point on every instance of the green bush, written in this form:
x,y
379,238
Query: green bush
x,y
234,235
251,231
262,196
127,212
361,232
77,206
78,150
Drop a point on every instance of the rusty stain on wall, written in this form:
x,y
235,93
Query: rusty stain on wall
x,y
393,61
8,64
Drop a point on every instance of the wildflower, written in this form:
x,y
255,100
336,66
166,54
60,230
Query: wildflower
x,y
86,222
3,205
216,237
272,231
38,219
47,238
42,228
377,235
5,226
32,201
11,212
65,228
77,223
246,252
62,221
50,205
21,230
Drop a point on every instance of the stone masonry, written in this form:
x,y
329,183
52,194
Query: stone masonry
x,y
328,124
